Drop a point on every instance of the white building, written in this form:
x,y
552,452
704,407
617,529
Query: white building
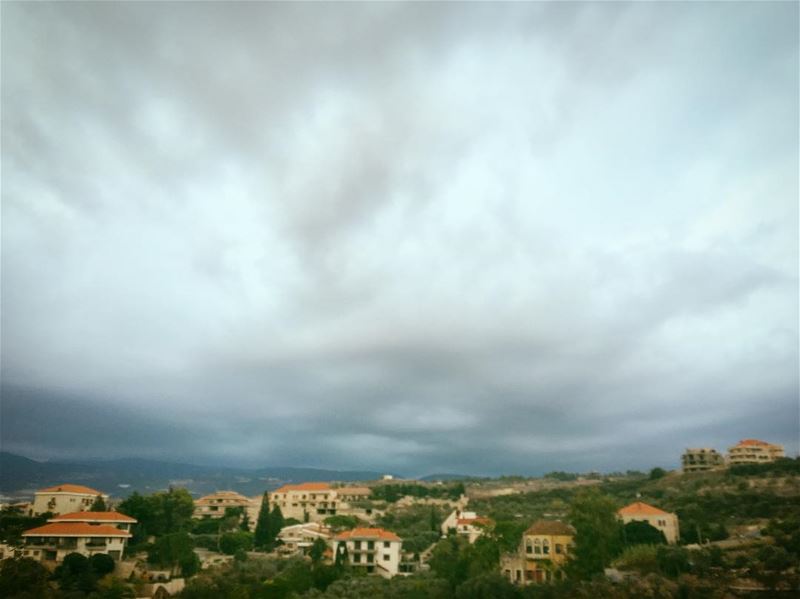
x,y
375,550
65,499
666,522
55,540
307,502
466,524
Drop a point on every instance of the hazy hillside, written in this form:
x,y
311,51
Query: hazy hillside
x,y
20,476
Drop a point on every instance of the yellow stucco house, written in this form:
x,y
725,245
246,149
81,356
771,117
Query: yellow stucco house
x,y
543,552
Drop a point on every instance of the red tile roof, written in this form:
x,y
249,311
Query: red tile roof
x,y
76,529
68,488
754,442
550,527
304,487
367,533
93,517
639,508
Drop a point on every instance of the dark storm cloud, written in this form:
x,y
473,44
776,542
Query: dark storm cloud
x,y
494,238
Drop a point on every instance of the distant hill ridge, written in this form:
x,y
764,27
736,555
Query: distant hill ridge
x,y
20,476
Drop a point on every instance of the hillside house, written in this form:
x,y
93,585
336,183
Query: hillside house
x,y
542,554
65,499
375,550
666,522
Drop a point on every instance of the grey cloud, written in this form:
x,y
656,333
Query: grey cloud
x,y
488,237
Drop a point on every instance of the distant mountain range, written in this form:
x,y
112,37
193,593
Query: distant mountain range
x,y
21,476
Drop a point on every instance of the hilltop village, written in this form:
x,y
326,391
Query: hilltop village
x,y
724,526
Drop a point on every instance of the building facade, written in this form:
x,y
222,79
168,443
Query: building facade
x,y
466,524
65,499
666,522
298,538
753,451
543,551
96,532
213,506
306,502
375,550
700,459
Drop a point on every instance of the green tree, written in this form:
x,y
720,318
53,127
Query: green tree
x,y
262,524
317,551
75,573
101,564
231,542
24,578
638,532
112,588
176,552
160,513
275,524
448,560
597,538
657,473
487,586
99,505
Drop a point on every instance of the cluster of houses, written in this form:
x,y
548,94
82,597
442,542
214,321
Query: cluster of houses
x,y
547,545
746,451
543,551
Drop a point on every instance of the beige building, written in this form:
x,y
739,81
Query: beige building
x,y
466,524
700,459
299,538
753,451
213,506
374,550
353,494
65,499
307,502
666,522
542,554
87,533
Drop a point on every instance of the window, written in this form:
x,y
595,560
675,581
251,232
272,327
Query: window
x,y
386,557
559,548
386,544
546,547
370,544
357,544
537,546
528,547
370,558
357,558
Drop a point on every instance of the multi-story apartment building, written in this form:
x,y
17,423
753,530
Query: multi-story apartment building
x,y
307,502
466,524
65,499
666,522
700,459
214,505
753,451
542,553
96,532
298,538
375,550
353,494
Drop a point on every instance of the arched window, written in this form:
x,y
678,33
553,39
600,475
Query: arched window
x,y
537,546
546,547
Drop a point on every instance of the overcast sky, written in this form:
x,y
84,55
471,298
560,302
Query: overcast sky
x,y
478,238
